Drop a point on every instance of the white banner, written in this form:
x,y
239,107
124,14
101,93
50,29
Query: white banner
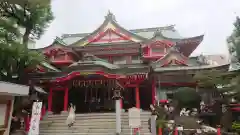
x,y
35,119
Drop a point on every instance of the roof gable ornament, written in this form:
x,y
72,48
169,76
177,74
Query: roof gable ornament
x,y
59,41
110,16
158,35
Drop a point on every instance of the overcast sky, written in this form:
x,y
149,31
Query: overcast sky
x,y
214,18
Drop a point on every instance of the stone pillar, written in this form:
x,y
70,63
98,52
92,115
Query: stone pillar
x,y
137,97
153,124
65,107
118,116
153,120
50,96
118,99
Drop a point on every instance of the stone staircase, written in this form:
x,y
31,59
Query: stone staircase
x,y
89,124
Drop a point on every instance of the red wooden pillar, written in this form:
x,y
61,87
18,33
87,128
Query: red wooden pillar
x,y
153,91
65,107
50,95
137,97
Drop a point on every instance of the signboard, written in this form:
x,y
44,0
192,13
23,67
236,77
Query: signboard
x,y
35,119
134,117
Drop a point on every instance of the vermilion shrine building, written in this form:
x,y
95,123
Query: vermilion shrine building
x,y
145,63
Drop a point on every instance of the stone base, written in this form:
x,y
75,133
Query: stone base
x,y
64,112
49,112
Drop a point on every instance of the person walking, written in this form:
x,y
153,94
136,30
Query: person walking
x,y
71,116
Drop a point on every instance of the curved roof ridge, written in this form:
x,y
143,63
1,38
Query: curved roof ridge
x,y
168,27
109,19
57,40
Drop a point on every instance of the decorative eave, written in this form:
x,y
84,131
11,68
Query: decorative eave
x,y
186,68
188,45
163,62
49,67
57,45
78,64
56,42
108,24
43,67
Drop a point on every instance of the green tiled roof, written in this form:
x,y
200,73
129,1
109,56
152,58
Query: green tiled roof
x,y
60,41
49,66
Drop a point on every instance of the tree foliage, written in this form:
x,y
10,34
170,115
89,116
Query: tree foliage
x,y
212,78
33,18
187,97
234,41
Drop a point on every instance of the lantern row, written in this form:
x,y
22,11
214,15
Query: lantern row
x,y
95,83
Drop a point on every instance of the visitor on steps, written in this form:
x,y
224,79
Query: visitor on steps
x,y
71,116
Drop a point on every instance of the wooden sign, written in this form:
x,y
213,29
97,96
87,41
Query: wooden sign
x,y
134,117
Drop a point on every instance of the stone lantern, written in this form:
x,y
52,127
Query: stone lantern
x,y
117,94
117,97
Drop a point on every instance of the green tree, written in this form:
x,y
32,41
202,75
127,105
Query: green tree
x,y
212,79
187,97
33,17
15,56
23,2
234,41
234,49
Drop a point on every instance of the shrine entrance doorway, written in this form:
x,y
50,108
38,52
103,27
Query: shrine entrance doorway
x,y
58,102
89,99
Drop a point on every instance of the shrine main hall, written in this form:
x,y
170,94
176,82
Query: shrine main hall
x,y
145,65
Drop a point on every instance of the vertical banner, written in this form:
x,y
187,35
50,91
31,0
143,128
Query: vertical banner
x,y
35,119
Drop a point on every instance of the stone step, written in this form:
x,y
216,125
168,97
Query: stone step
x,y
85,114
79,121
90,124
90,130
91,121
125,121
89,127
80,127
77,134
90,134
87,130
94,117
